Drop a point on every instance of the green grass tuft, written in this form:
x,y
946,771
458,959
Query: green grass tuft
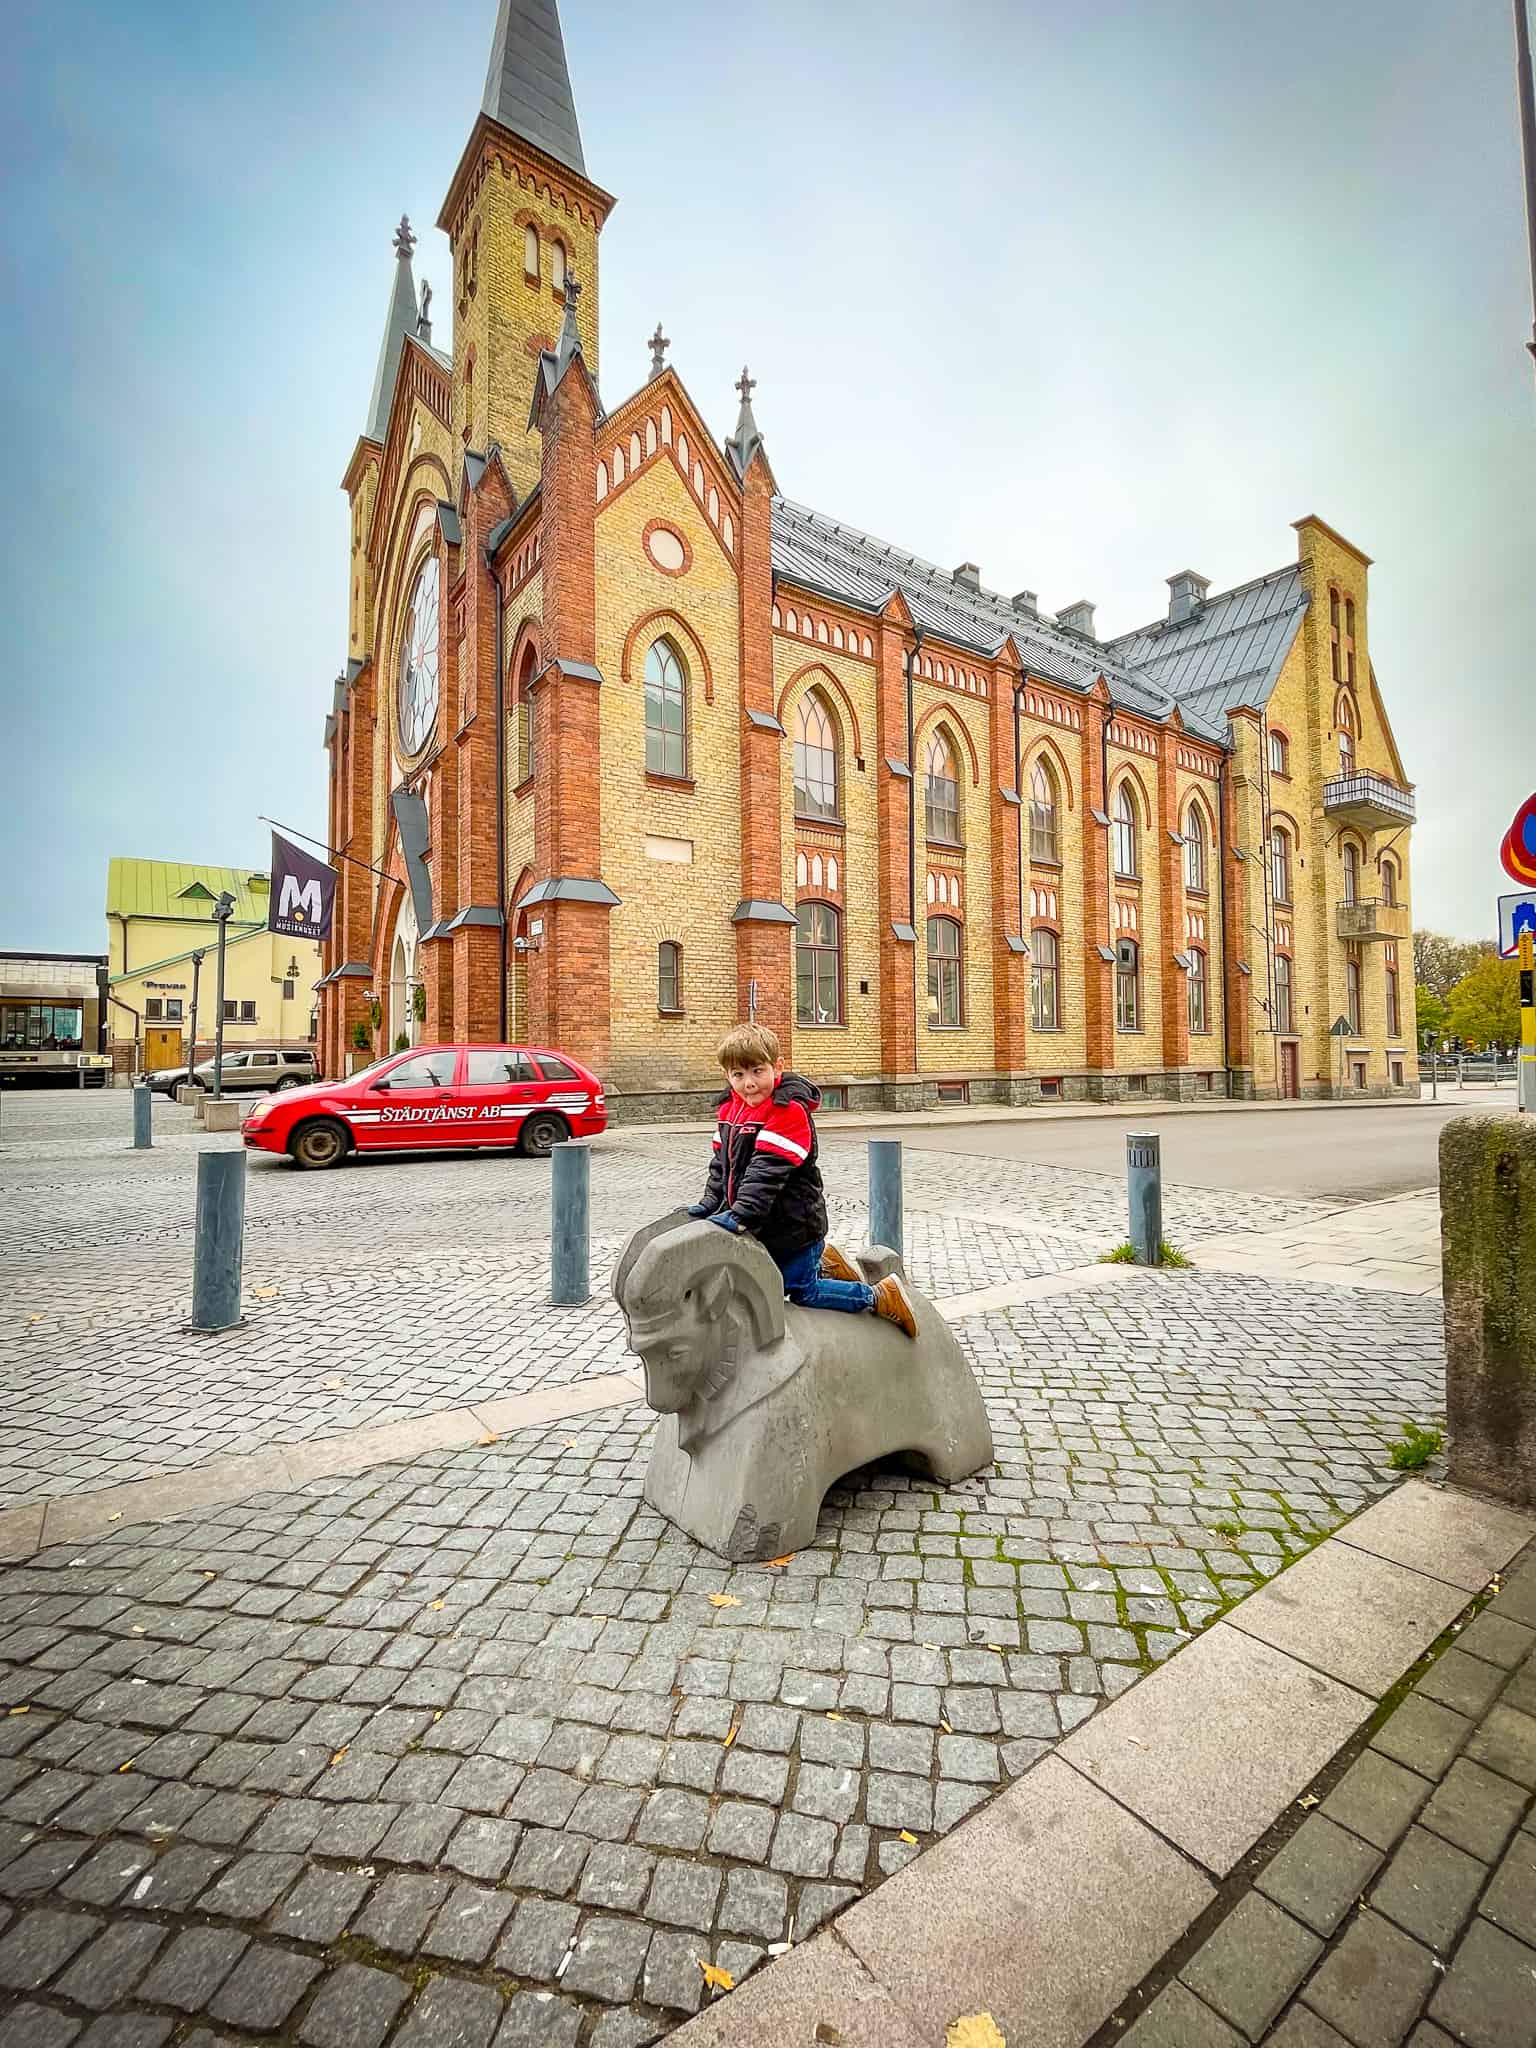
x,y
1125,1255
1417,1447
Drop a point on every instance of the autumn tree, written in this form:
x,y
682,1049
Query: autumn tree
x,y
1431,1012
1485,1005
1440,962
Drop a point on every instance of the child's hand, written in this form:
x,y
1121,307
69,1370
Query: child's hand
x,y
702,1209
728,1222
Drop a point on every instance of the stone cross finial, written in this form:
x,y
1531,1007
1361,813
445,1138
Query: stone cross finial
x,y
659,344
424,317
405,241
746,385
572,289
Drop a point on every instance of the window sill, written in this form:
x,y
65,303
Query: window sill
x,y
943,845
1048,1029
669,1013
655,781
837,825
1119,877
1203,894
805,1024
524,788
948,1027
1044,860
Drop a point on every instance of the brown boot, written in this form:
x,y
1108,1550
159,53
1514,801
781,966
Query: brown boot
x,y
835,1267
893,1304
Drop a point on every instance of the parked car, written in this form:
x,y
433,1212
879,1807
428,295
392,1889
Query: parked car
x,y
244,1071
435,1098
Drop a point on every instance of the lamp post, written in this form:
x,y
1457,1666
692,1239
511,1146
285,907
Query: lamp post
x,y
197,968
223,910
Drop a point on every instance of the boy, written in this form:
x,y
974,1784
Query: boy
x,y
763,1178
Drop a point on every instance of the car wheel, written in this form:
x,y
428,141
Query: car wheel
x,y
541,1134
318,1144
289,1081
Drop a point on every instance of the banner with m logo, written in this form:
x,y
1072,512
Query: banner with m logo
x,y
303,892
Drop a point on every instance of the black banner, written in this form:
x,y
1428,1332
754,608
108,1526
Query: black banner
x,y
303,892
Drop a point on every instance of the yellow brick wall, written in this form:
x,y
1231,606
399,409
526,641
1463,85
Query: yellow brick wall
x,y
1063,1051
1207,1050
1142,1051
360,585
950,1051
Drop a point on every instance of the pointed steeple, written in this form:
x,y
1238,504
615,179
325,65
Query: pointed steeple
x,y
569,344
528,87
746,440
399,322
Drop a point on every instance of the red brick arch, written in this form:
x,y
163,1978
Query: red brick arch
x,y
823,679
665,621
942,714
1046,745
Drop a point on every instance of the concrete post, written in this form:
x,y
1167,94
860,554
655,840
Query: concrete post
x,y
1488,1233
885,1212
219,1245
570,1221
1144,1186
142,1139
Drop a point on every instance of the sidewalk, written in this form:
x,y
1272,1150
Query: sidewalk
x,y
1392,1245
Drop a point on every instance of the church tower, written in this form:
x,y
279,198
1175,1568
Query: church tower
x,y
521,216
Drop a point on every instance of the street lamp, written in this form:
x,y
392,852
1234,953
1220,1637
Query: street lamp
x,y
197,968
223,910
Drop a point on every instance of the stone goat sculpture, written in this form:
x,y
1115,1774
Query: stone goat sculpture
x,y
764,1405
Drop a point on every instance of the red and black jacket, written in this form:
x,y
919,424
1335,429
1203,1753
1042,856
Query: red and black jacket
x,y
764,1168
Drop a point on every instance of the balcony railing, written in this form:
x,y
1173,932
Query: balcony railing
x,y
1373,919
1370,801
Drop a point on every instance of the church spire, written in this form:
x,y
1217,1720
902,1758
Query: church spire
x,y
528,87
400,321
746,440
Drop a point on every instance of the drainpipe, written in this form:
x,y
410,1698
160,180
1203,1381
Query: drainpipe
x,y
501,800
911,657
137,1026
1221,914
1018,790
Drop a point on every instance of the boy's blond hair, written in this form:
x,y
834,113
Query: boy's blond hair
x,y
749,1045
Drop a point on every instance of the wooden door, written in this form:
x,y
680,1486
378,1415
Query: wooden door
x,y
1290,1071
162,1047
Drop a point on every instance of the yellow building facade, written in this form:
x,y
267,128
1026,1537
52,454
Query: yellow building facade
x,y
630,744
162,943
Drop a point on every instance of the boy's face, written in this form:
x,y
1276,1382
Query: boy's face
x,y
755,1084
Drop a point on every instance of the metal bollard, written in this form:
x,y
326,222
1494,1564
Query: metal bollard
x,y
142,1100
885,1218
569,1225
218,1250
1144,1185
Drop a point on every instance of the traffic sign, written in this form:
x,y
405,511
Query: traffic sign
x,y
1518,852
1517,914
1341,1028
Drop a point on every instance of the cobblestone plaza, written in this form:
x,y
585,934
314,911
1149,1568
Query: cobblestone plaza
x,y
473,1747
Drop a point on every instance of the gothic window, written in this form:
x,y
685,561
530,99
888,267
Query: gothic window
x,y
1280,864
1127,985
1279,754
946,986
818,965
1389,882
530,251
416,689
557,265
1044,843
1349,640
1346,738
815,760
1335,608
1351,858
1194,848
666,707
1196,986
524,763
1125,831
942,791
669,977
1045,981
1394,1014
1352,1005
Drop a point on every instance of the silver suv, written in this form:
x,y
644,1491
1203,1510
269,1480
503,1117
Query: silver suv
x,y
245,1072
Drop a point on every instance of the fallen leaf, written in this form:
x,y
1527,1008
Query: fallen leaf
x,y
484,1442
827,2036
19,1710
976,2030
996,1646
835,1717
264,1293
774,1564
732,1732
438,1715
723,1600
570,1443
125,1767
333,1386
34,1319
117,1517
437,1606
210,1575
717,1980
946,1727
337,1755
907,1837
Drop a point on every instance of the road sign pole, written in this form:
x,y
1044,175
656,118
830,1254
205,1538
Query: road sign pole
x,y
1526,1084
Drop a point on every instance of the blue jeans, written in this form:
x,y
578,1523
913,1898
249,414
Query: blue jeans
x,y
803,1284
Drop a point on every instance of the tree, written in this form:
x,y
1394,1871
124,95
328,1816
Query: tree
x,y
1485,1005
1440,962
1431,1014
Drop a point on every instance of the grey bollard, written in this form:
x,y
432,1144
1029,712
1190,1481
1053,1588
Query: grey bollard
x,y
141,1116
218,1250
885,1218
570,1218
1144,1185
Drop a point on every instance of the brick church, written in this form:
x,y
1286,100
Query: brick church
x,y
638,745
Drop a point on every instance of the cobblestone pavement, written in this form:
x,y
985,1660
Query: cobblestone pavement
x,y
1404,1906
397,1287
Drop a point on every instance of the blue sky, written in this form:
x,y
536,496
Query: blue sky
x,y
1085,296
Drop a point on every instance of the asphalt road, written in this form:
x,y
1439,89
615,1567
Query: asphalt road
x,y
1351,1155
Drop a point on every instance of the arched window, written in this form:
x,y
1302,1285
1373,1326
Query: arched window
x,y
1349,640
946,975
1279,754
1346,738
666,712
942,791
1352,1004
815,758
557,265
1125,830
1194,848
1283,1012
1044,843
818,965
525,714
1280,864
669,977
1389,882
1394,1010
530,251
1127,985
1045,980
1196,985
1351,858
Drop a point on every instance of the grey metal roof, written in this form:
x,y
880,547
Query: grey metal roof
x,y
527,85
1229,653
398,323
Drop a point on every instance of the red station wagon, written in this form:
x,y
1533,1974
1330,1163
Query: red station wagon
x,y
435,1098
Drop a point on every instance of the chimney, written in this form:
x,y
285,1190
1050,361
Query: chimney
x,y
1077,618
1027,602
968,576
1186,596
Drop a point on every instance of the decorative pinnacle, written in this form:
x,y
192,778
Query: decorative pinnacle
x,y
405,241
572,289
746,385
659,344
